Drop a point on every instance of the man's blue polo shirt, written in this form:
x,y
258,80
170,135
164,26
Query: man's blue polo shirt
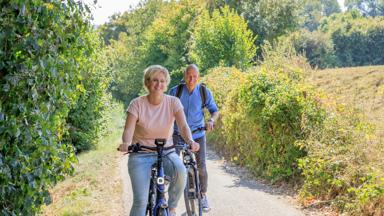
x,y
193,107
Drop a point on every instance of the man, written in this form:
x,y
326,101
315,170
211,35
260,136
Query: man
x,y
192,96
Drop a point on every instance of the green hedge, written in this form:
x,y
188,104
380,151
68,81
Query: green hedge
x,y
43,60
87,119
282,129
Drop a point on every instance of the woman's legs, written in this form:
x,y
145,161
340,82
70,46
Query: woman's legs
x,y
139,168
175,168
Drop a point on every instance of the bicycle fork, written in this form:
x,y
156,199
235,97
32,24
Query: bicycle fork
x,y
161,204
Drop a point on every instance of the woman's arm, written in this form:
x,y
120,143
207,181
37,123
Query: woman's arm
x,y
185,131
129,128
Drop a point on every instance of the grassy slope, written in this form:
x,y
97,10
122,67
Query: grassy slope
x,y
361,87
96,187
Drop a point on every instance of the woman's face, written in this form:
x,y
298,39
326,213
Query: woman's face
x,y
157,83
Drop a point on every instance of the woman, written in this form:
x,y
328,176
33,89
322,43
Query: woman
x,y
149,117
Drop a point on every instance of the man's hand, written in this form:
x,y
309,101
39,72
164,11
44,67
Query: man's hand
x,y
210,125
195,146
123,147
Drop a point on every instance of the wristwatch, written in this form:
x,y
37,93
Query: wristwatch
x,y
211,120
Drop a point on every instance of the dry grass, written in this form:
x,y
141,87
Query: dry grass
x,y
361,88
96,187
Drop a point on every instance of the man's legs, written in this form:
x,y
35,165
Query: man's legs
x,y
201,164
203,174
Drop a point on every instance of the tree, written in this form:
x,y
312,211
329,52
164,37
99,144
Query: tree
x,y
222,39
314,10
165,41
270,19
367,7
125,53
132,22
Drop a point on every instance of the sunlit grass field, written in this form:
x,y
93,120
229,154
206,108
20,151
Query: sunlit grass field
x,y
96,187
360,87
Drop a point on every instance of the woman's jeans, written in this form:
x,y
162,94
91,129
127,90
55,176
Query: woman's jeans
x,y
139,169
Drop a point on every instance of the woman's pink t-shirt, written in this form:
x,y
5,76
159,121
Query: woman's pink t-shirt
x,y
154,121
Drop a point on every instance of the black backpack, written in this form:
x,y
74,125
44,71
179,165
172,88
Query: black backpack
x,y
203,93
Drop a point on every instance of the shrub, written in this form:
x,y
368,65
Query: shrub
x,y
86,121
317,47
43,55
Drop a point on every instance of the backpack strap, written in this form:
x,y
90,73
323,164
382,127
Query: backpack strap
x,y
203,95
179,90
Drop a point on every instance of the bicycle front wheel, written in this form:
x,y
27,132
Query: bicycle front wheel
x,y
192,196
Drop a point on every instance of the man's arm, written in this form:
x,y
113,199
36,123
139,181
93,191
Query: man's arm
x,y
211,122
213,110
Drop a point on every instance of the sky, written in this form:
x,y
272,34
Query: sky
x,y
106,8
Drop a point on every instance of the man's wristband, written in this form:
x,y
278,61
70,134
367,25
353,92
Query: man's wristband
x,y
190,142
211,120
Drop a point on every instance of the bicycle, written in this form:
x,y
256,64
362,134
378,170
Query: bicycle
x,y
192,192
157,203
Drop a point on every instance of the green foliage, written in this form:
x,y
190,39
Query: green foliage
x,y
124,55
222,40
314,11
86,121
316,46
43,60
131,22
357,40
159,39
272,116
165,40
264,114
342,40
282,129
270,19
366,7
127,70
338,167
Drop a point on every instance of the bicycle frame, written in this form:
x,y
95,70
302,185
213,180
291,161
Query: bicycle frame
x,y
157,185
192,193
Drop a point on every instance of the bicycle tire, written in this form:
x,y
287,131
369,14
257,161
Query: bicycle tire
x,y
152,197
192,196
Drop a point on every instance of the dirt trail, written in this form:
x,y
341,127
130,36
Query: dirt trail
x,y
230,192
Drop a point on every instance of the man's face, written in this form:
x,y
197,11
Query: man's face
x,y
191,78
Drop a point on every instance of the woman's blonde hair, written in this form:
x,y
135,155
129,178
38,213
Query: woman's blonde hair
x,y
150,71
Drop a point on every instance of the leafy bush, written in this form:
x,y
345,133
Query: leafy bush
x,y
222,39
43,57
316,46
222,81
86,121
338,167
264,119
282,129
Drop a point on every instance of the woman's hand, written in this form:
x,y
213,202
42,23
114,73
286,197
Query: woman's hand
x,y
123,147
194,146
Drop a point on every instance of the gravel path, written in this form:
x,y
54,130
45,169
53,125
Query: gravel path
x,y
230,192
